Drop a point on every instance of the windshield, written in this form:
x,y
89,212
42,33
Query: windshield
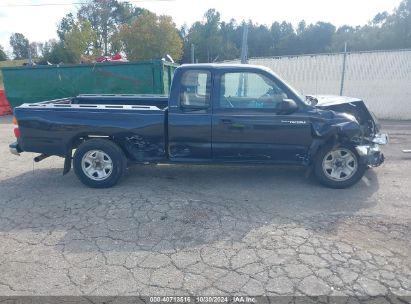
x,y
294,91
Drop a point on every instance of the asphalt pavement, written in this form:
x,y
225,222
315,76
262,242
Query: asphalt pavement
x,y
205,230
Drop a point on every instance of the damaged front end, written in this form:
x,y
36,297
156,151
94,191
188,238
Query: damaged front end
x,y
350,120
370,152
370,155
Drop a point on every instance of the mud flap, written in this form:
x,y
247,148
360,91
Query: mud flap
x,y
309,171
67,163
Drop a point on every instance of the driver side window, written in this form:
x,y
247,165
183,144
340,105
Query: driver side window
x,y
245,90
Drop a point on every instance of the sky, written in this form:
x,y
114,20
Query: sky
x,y
39,23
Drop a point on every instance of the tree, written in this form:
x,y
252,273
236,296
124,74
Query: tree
x,y
119,26
287,43
212,39
208,38
79,41
20,45
150,36
3,55
34,49
105,16
316,38
45,48
259,40
342,35
56,52
230,48
100,15
380,18
385,31
98,20
301,27
196,36
76,43
398,25
66,25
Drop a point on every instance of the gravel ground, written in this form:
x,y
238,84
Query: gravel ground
x,y
205,230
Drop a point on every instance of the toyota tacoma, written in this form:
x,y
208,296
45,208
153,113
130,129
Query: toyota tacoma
x,y
216,113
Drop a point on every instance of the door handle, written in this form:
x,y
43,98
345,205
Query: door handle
x,y
227,121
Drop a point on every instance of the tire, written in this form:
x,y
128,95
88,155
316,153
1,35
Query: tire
x,y
99,163
338,167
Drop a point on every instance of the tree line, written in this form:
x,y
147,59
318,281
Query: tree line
x,y
104,27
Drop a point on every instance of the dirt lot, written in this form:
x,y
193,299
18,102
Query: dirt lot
x,y
205,230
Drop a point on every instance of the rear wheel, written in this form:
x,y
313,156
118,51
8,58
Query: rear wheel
x,y
338,167
99,163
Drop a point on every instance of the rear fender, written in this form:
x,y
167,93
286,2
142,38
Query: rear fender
x,y
73,144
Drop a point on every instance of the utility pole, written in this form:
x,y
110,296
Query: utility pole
x,y
243,79
192,53
30,57
244,47
343,69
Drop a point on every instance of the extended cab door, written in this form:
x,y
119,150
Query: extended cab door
x,y
189,118
248,124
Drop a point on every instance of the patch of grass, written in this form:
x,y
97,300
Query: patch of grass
x,y
8,64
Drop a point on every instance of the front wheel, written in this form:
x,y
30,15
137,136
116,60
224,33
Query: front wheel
x,y
338,167
99,163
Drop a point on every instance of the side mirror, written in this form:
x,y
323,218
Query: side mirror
x,y
287,106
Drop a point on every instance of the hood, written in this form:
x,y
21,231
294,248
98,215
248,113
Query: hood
x,y
349,105
332,100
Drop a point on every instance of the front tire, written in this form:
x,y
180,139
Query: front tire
x,y
338,167
99,163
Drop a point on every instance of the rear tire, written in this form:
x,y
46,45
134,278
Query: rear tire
x,y
338,167
99,163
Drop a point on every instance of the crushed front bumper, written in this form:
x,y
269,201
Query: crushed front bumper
x,y
371,154
15,148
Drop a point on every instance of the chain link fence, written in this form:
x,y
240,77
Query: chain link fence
x,y
381,78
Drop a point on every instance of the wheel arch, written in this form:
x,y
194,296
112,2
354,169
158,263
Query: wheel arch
x,y
76,140
318,143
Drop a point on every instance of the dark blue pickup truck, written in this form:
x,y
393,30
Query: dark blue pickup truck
x,y
216,113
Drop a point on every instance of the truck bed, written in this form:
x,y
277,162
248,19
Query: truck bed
x,y
53,127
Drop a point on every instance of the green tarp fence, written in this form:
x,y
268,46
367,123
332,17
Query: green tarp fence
x,y
30,84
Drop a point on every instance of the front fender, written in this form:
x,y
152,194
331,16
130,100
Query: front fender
x,y
332,128
330,123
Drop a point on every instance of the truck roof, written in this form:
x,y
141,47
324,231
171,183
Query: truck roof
x,y
225,66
